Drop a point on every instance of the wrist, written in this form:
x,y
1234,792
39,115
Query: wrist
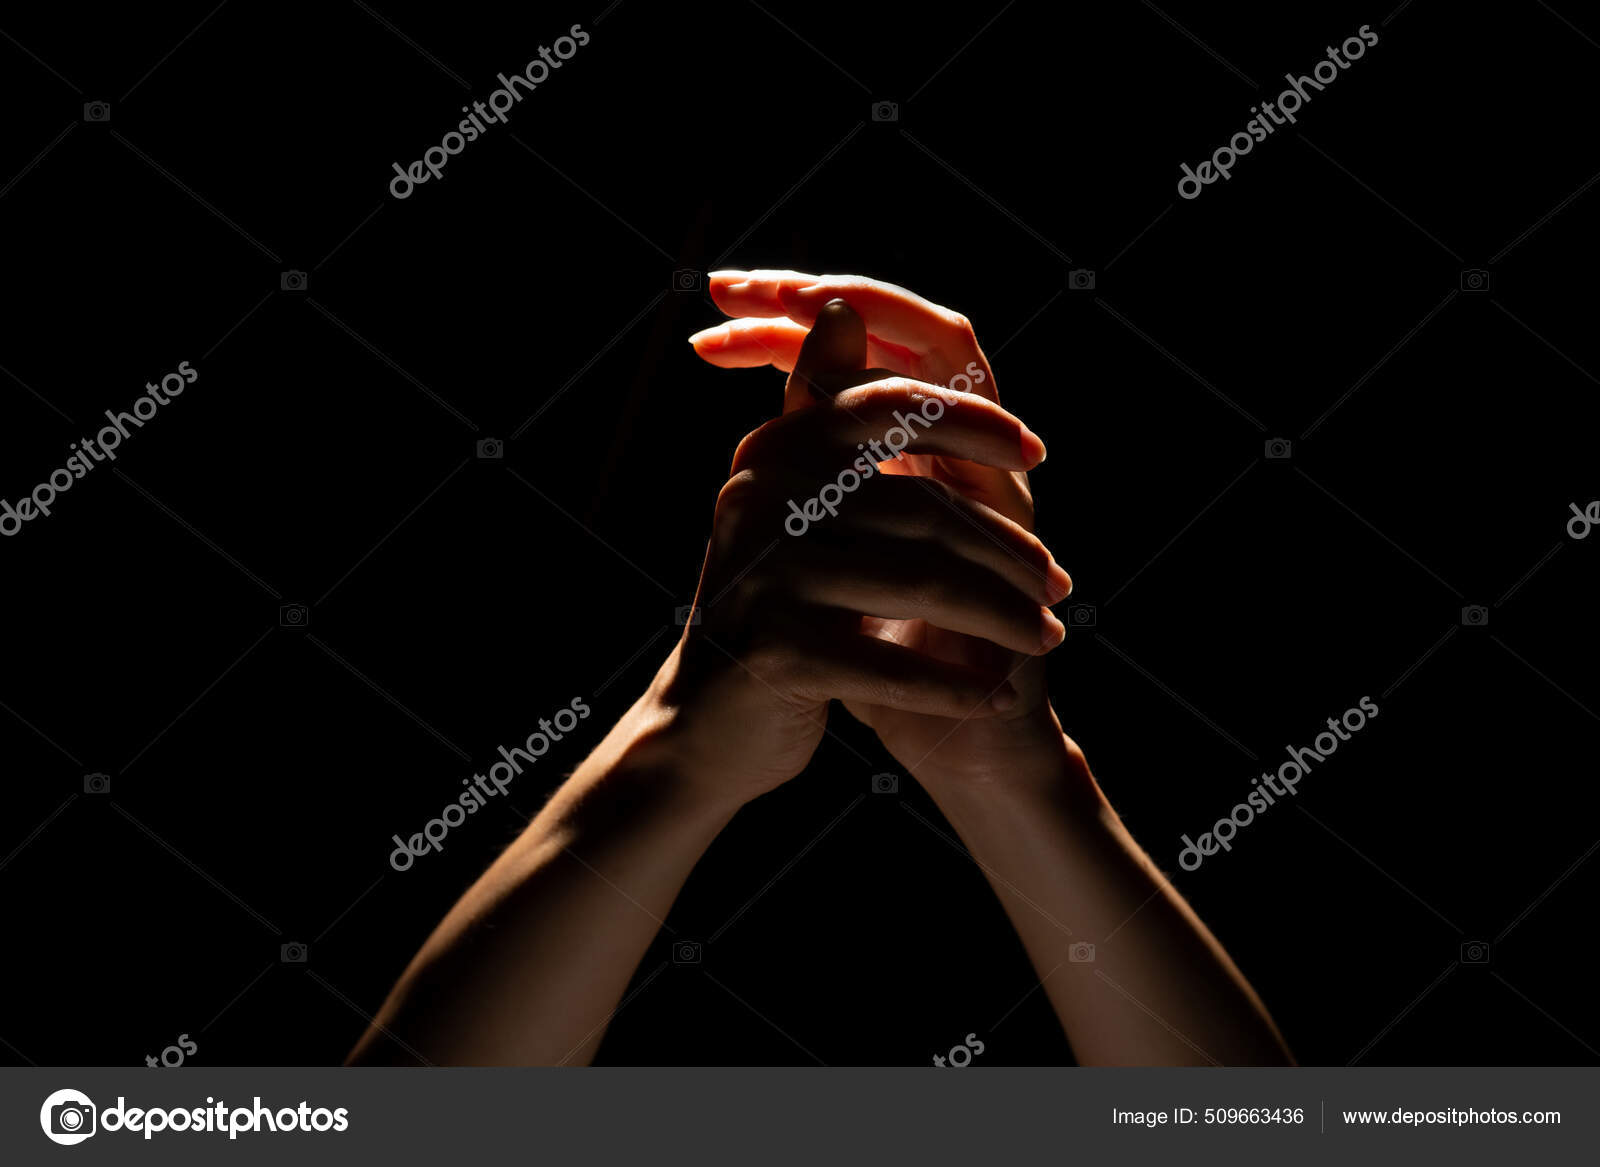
x,y
1028,753
656,744
1050,788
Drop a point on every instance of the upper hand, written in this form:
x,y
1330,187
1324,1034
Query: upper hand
x,y
906,335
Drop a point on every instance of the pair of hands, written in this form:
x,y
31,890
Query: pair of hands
x,y
920,598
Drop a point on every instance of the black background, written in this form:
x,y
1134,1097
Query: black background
x,y
326,458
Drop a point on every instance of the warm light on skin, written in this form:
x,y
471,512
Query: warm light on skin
x,y
925,611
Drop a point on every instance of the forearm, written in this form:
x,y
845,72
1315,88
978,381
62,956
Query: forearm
x,y
1159,989
529,965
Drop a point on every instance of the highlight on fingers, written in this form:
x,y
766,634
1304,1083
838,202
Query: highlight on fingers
x,y
881,420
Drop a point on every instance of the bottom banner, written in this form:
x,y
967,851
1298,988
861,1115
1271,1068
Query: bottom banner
x,y
800,1116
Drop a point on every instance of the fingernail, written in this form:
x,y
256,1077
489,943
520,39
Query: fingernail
x,y
1053,630
803,298
711,338
1004,699
1058,581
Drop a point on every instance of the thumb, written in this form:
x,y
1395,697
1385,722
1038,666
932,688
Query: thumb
x,y
835,347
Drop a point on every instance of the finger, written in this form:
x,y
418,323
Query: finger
x,y
892,313
748,344
878,421
835,347
905,580
930,343
924,509
879,672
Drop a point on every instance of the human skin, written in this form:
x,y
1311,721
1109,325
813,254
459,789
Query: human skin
x,y
921,603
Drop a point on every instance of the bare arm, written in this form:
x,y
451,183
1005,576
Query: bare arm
x,y
529,965
1160,989
1132,973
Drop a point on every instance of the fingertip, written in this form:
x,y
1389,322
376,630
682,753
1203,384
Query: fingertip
x,y
1051,631
1058,582
837,342
1033,449
710,339
849,331
723,287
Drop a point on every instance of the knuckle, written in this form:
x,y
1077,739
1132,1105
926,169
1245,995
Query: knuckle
x,y
770,658
736,499
934,595
950,692
896,693
756,444
878,401
746,451
927,522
